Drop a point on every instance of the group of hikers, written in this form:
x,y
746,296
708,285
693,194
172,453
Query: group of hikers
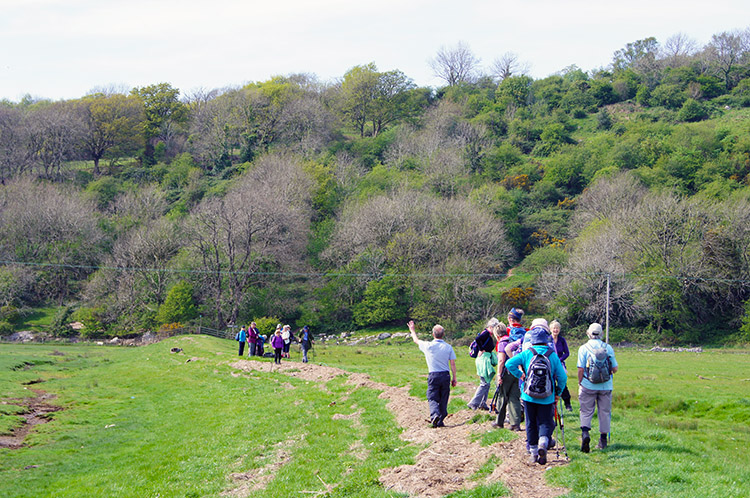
x,y
529,364
280,341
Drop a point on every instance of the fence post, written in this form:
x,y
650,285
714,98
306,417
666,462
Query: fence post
x,y
607,322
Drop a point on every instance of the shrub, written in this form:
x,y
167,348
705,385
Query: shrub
x,y
6,328
267,325
92,320
179,305
692,111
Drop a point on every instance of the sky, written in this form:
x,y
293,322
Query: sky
x,y
65,49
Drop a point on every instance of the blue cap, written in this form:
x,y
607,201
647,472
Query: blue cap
x,y
539,335
516,313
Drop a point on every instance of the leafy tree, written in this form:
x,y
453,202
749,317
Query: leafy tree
x,y
111,126
179,305
384,301
164,114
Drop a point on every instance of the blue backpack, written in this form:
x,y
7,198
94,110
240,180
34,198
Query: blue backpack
x,y
516,333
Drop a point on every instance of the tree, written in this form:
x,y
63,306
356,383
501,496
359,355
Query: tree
x,y
54,227
262,222
179,305
678,49
725,51
111,126
53,134
164,115
16,153
455,65
508,65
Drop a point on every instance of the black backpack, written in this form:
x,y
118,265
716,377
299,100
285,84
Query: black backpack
x,y
538,383
475,347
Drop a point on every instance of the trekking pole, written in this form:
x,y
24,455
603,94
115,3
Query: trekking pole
x,y
561,418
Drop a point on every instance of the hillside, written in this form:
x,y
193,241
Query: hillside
x,y
369,201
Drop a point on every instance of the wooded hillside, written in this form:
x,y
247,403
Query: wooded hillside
x,y
367,201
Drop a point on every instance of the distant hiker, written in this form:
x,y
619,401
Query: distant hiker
x,y
486,361
543,380
252,338
509,398
441,367
596,364
306,341
277,342
286,334
242,337
538,322
561,347
515,329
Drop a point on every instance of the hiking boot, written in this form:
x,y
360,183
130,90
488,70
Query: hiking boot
x,y
515,428
585,440
569,407
496,425
472,407
602,442
543,443
435,421
534,458
552,443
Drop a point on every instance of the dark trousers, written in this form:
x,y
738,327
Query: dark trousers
x,y
540,421
277,355
438,392
242,347
252,349
510,400
566,396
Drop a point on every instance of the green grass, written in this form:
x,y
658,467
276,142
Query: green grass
x,y
144,422
39,320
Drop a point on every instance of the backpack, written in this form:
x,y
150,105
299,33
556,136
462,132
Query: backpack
x,y
538,382
516,333
597,364
237,336
475,348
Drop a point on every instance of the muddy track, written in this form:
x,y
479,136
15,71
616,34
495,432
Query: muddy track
x,y
450,458
36,411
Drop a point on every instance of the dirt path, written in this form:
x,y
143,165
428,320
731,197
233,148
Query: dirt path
x,y
450,458
36,411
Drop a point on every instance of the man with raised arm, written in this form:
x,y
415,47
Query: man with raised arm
x,y
440,358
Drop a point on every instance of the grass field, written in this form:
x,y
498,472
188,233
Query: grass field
x,y
146,422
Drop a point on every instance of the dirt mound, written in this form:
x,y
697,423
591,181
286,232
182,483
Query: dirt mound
x,y
450,458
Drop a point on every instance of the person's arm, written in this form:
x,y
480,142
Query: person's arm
x,y
413,332
500,364
580,375
565,351
453,373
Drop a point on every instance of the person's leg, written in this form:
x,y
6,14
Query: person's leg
x,y
251,351
566,399
587,402
433,398
242,347
546,423
480,395
304,354
445,393
502,403
532,430
604,412
515,410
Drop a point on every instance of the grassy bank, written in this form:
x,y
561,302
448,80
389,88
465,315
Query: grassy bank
x,y
147,422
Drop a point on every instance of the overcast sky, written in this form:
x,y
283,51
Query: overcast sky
x,y
62,49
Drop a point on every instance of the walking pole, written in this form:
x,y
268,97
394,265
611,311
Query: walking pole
x,y
561,419
493,403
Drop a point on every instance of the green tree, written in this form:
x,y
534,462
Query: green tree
x,y
179,305
384,301
112,126
164,113
691,111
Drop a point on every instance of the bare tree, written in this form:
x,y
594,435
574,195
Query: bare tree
x,y
678,50
455,65
508,65
16,155
725,51
54,130
53,226
262,222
